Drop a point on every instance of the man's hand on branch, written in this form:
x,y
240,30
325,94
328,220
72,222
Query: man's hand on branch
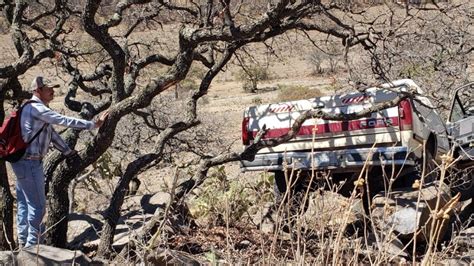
x,y
99,122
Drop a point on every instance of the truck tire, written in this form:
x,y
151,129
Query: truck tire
x,y
297,189
279,188
431,173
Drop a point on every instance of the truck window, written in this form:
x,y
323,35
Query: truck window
x,y
463,105
457,112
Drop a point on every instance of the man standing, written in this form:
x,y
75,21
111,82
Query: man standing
x,y
38,117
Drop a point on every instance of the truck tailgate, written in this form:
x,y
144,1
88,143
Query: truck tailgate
x,y
381,128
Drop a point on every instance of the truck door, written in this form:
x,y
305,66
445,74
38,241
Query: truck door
x,y
461,121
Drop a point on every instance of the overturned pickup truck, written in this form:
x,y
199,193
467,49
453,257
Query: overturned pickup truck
x,y
394,136
407,138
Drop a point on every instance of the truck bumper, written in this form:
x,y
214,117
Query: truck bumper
x,y
343,160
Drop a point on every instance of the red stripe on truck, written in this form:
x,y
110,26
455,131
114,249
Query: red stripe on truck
x,y
246,136
334,127
282,108
355,99
405,113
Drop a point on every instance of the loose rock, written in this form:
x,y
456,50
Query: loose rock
x,y
402,211
44,255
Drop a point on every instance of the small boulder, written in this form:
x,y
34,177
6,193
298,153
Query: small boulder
x,y
126,230
160,199
388,245
132,203
6,257
409,211
150,203
47,255
82,228
265,218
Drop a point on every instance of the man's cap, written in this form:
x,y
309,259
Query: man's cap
x,y
40,82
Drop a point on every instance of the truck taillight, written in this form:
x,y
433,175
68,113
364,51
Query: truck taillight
x,y
246,135
405,113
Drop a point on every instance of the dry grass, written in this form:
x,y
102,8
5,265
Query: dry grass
x,y
288,93
327,232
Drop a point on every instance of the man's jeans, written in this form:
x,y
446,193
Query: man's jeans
x,y
31,200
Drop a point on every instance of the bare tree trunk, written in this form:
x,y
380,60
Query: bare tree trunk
x,y
58,207
112,214
7,241
58,198
72,187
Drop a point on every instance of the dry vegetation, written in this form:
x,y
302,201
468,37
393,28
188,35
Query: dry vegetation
x,y
230,217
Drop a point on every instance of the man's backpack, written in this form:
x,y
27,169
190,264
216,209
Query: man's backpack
x,y
12,145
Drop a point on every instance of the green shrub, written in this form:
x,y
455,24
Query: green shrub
x,y
416,70
188,85
221,201
107,167
251,75
196,72
257,101
225,201
263,188
296,92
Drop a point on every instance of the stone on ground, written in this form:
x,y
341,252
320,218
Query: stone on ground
x,y
44,255
403,212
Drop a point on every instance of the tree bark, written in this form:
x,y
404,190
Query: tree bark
x,y
58,200
7,241
112,214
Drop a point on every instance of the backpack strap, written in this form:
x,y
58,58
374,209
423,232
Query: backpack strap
x,y
39,131
27,102
37,134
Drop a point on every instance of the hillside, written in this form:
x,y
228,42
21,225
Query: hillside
x,y
160,181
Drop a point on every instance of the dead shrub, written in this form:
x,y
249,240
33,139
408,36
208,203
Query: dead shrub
x,y
4,26
325,61
296,92
315,59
